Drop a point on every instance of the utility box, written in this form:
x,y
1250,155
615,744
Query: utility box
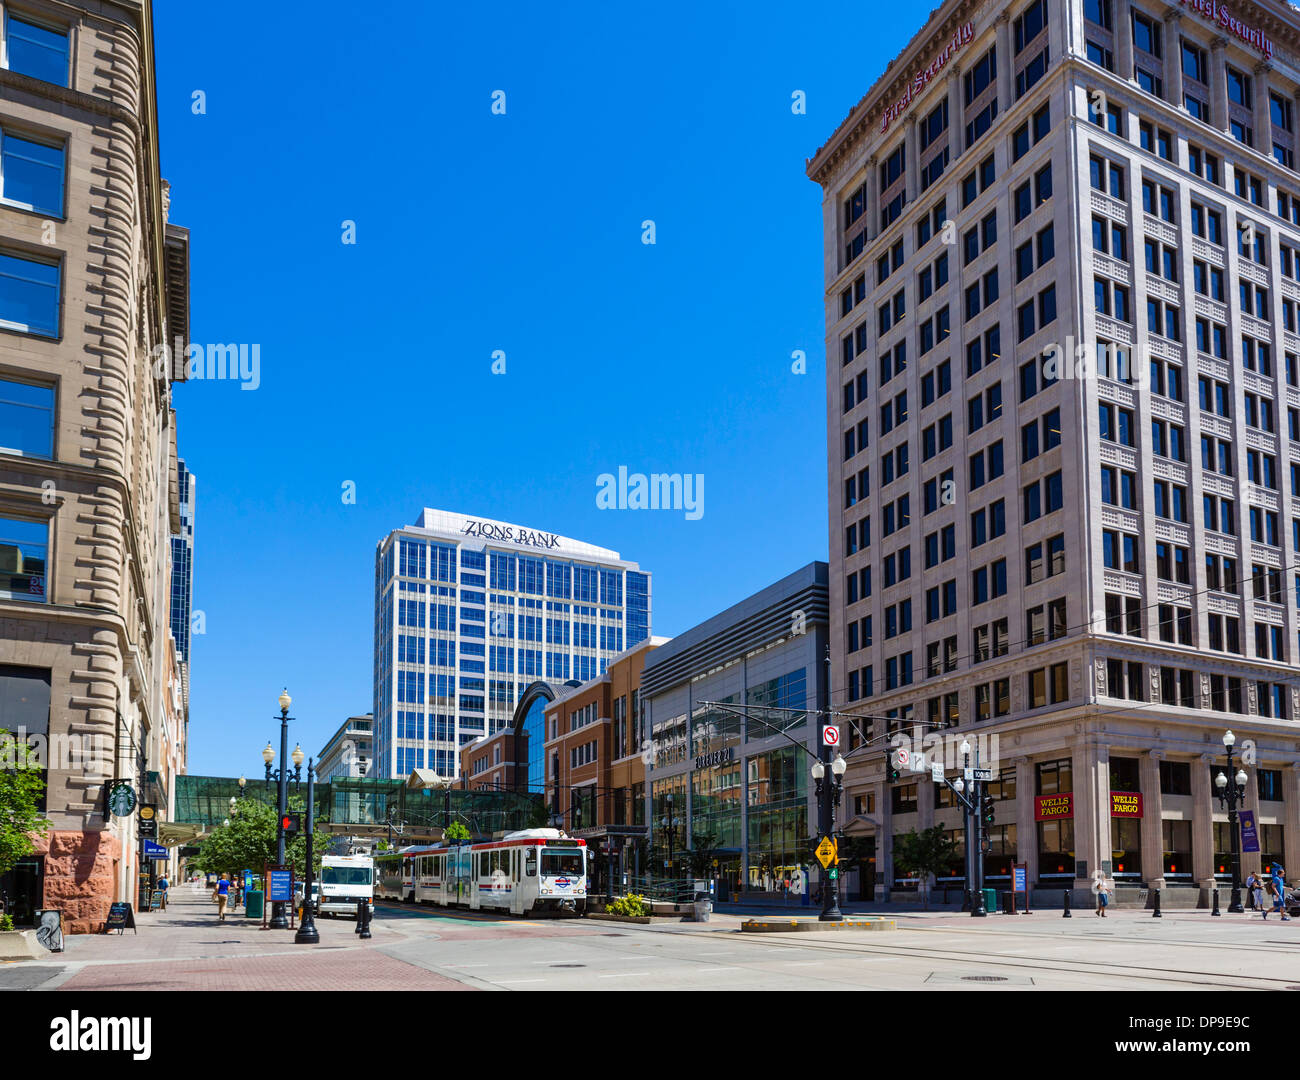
x,y
254,904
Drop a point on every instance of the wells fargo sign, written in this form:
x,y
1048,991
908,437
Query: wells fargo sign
x,y
963,37
1218,14
1125,804
1051,807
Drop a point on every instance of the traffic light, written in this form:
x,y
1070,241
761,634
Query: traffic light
x,y
289,824
891,767
986,808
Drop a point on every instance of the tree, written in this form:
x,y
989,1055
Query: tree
x,y
248,842
455,831
22,781
699,857
925,853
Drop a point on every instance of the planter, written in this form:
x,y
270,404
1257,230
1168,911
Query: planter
x,y
643,920
19,945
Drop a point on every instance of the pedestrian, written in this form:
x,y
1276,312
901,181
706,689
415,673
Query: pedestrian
x,y
1277,886
162,892
222,893
1102,888
1255,891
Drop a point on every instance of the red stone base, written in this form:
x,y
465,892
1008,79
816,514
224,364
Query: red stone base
x,y
79,877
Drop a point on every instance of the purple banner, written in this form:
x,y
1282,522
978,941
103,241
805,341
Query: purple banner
x,y
1249,836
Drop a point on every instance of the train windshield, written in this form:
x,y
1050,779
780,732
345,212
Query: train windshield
x,y
345,875
562,863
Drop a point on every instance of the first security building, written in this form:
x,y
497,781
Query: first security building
x,y
730,706
469,612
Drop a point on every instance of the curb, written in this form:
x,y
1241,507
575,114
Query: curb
x,y
791,926
600,916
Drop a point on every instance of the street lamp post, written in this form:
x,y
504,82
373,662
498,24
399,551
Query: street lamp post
x,y
1231,794
828,797
307,933
279,917
960,785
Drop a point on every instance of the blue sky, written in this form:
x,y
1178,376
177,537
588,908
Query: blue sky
x,y
476,233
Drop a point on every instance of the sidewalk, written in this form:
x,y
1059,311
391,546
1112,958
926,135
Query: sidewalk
x,y
189,929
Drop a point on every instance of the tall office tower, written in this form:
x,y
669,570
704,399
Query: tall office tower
x,y
1062,255
92,281
469,612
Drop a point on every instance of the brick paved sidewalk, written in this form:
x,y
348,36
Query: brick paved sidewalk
x,y
189,929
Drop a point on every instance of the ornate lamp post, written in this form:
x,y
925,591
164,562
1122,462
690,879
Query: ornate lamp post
x,y
279,917
828,797
307,933
1232,795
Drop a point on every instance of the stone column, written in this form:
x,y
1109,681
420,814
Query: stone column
x,y
1026,828
884,846
1004,61
1291,830
1202,824
1153,846
1091,767
1218,84
912,176
1263,111
956,114
1174,58
1124,39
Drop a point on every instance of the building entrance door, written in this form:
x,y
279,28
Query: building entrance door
x,y
22,890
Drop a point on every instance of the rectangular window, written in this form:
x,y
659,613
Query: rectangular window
x,y
23,550
26,419
31,174
40,52
29,295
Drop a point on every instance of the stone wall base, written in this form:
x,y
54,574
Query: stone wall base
x,y
79,876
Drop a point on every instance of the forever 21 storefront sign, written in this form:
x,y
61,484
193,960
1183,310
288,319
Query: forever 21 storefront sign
x,y
718,757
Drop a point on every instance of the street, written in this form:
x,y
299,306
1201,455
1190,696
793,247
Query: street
x,y
185,948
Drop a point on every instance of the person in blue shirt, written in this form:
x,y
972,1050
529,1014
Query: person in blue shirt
x,y
162,891
223,896
1279,890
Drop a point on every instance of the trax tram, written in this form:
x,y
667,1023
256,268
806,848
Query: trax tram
x,y
526,871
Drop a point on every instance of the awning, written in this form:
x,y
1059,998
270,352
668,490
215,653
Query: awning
x,y
426,778
174,834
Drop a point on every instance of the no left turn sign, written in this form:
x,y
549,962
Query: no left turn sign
x,y
830,736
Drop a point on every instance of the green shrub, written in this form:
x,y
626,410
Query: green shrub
x,y
6,922
633,905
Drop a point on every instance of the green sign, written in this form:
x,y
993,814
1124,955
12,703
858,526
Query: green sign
x,y
835,873
121,800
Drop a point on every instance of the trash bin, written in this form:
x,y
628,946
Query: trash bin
x,y
703,908
990,900
254,903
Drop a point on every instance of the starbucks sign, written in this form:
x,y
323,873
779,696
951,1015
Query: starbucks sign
x,y
121,800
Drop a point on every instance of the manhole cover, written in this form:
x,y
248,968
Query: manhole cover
x,y
983,978
568,965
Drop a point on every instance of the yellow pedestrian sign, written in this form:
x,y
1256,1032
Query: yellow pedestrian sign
x,y
826,852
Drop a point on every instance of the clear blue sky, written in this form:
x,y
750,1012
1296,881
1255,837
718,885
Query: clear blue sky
x,y
475,233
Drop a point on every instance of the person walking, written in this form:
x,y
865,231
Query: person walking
x,y
222,894
1277,885
1102,888
162,891
1255,891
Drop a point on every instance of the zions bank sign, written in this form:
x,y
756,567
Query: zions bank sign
x,y
490,531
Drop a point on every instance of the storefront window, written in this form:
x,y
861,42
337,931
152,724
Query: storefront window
x,y
1126,849
1222,851
1001,855
716,803
1270,845
1178,850
1056,836
778,840
668,821
789,691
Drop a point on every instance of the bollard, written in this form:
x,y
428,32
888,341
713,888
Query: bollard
x,y
1066,913
363,918
1156,913
1216,910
